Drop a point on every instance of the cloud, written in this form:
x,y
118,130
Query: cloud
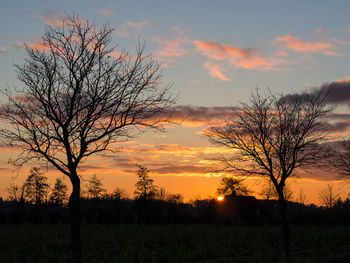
x,y
130,28
34,45
321,31
347,29
171,49
300,45
248,58
3,50
215,71
48,17
105,12
196,116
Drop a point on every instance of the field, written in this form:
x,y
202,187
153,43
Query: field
x,y
173,243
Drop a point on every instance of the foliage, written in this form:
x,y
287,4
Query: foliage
x,y
232,186
144,186
36,187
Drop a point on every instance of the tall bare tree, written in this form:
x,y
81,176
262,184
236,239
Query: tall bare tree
x,y
273,136
80,96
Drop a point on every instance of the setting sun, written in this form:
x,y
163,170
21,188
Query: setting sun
x,y
220,198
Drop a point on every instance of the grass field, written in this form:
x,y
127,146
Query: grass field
x,y
173,243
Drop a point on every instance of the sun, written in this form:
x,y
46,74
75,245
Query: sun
x,y
220,198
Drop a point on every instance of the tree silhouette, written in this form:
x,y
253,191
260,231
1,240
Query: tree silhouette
x,y
36,187
14,192
272,137
95,188
328,196
79,97
144,187
59,192
232,186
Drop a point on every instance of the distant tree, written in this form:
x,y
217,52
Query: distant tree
x,y
14,192
273,136
144,186
162,194
95,188
119,194
79,96
59,192
301,197
328,196
36,187
232,186
268,190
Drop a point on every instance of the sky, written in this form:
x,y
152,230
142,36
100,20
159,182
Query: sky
x,y
213,53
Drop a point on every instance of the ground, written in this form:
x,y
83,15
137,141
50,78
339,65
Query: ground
x,y
174,243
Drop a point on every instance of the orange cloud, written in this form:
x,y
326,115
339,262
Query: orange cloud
x,y
248,58
215,71
105,12
300,45
3,50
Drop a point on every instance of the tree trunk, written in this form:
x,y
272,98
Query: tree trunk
x,y
284,223
74,207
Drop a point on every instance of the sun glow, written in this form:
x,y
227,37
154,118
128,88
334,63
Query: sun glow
x,y
220,198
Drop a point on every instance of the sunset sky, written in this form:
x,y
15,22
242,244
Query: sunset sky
x,y
214,53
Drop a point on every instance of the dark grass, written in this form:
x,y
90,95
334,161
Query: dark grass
x,y
174,243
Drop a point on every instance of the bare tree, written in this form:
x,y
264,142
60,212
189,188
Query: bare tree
x,y
302,196
328,196
272,137
341,158
79,97
95,188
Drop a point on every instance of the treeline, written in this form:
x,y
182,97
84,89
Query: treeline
x,y
36,202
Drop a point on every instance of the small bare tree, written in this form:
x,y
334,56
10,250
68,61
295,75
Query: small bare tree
x,y
328,196
272,137
79,97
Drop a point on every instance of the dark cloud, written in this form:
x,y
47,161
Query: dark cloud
x,y
338,92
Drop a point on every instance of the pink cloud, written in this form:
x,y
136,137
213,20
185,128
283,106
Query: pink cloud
x,y
34,45
105,12
131,27
300,45
171,48
215,71
248,58
3,50
347,29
